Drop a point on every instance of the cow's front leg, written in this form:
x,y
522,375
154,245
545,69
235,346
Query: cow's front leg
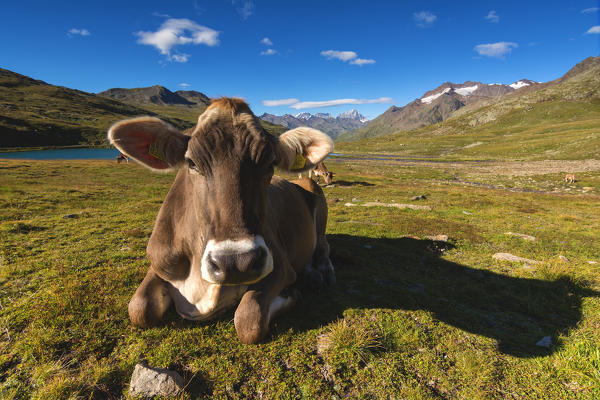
x,y
262,302
150,301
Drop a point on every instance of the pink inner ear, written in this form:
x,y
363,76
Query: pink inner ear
x,y
137,144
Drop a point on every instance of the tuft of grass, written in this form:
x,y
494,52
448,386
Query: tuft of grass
x,y
348,343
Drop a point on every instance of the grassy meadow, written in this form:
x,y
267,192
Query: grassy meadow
x,y
409,317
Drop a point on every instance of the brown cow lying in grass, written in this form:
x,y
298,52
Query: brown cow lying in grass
x,y
229,231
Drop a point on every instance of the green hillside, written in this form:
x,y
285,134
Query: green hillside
x,y
34,113
561,121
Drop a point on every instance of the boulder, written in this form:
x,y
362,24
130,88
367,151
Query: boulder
x,y
150,382
513,258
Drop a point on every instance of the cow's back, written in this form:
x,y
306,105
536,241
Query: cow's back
x,y
296,210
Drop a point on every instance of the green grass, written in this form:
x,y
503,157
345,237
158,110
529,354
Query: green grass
x,y
549,130
408,318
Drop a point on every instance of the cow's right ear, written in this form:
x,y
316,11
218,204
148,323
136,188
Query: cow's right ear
x,y
301,149
150,141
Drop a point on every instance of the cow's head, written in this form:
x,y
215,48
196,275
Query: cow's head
x,y
226,164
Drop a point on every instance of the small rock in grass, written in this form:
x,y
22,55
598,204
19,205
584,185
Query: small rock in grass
x,y
151,382
334,200
355,200
521,235
513,258
592,262
71,216
419,197
125,248
546,341
350,204
438,238
564,259
467,213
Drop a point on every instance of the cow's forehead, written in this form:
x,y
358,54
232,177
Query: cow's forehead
x,y
229,126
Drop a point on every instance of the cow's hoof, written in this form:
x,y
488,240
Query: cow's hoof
x,y
325,267
250,322
141,313
313,278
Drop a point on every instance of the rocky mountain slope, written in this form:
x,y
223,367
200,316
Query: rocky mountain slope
x,y
158,95
333,126
555,120
435,106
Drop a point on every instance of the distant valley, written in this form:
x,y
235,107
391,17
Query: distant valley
x,y
452,118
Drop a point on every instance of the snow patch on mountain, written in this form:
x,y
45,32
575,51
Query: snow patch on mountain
x,y
518,85
431,98
466,91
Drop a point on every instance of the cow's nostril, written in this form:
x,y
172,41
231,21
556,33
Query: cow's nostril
x,y
214,267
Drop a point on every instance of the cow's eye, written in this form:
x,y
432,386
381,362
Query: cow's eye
x,y
192,165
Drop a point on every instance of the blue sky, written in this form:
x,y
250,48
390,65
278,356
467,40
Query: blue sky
x,y
366,55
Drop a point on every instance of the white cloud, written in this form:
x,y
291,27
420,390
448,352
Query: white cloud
x,y
180,58
184,85
338,102
594,29
81,32
346,56
497,50
340,55
362,61
282,102
266,41
492,17
174,32
244,7
299,105
424,19
268,52
590,10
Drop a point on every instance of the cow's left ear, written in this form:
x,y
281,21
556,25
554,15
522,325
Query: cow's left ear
x,y
150,141
302,149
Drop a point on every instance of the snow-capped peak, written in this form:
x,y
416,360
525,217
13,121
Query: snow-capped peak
x,y
353,114
303,115
518,85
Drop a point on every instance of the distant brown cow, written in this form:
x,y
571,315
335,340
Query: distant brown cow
x,y
570,178
320,171
229,231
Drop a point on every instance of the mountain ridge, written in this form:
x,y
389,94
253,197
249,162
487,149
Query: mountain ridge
x,y
333,126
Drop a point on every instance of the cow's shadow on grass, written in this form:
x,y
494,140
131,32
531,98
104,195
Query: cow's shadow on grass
x,y
408,274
